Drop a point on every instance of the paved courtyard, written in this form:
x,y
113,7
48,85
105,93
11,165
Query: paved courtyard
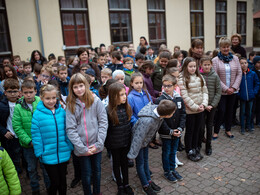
x,y
233,168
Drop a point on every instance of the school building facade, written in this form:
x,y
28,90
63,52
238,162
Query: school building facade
x,y
62,26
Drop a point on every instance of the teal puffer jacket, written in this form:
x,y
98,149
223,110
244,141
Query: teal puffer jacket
x,y
49,138
9,181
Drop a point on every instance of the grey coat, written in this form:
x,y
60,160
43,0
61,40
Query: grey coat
x,y
87,127
144,129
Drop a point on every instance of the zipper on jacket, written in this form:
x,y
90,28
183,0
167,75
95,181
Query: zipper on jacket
x,y
246,89
57,133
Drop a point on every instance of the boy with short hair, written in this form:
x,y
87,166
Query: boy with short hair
x,y
150,119
37,71
8,136
101,60
250,60
20,71
115,61
139,59
16,61
249,88
94,83
27,69
172,128
55,69
63,80
61,60
106,74
128,64
150,54
23,112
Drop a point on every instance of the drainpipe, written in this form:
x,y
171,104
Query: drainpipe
x,y
39,25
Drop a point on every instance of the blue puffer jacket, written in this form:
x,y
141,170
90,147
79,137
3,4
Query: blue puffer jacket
x,y
137,101
249,86
49,138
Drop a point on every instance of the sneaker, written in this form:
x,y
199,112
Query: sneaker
x,y
155,187
170,177
148,190
179,163
177,175
74,182
128,190
121,191
176,165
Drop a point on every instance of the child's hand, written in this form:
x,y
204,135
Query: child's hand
x,y
92,149
9,135
208,108
201,108
176,133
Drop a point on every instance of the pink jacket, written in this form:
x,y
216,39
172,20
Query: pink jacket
x,y
236,73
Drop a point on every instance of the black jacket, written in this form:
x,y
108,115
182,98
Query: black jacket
x,y
5,112
177,121
119,136
258,74
240,50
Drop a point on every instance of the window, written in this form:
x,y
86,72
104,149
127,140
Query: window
x,y
120,21
241,20
5,43
221,19
156,22
75,25
196,19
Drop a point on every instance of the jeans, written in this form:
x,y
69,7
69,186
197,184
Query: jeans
x,y
169,149
246,113
193,125
76,166
208,123
13,148
142,166
57,174
91,166
32,170
224,114
120,162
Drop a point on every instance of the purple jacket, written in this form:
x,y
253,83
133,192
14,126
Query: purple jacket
x,y
149,85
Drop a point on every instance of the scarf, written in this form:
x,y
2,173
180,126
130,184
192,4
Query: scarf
x,y
130,72
227,58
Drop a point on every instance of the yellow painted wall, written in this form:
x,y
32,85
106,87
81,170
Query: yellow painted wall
x,y
139,20
22,24
99,22
250,24
178,23
209,25
231,17
51,27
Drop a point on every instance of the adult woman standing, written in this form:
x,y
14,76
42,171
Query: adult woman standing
x,y
37,57
236,47
143,43
229,71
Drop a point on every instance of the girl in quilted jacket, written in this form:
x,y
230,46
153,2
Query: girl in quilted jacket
x,y
49,138
195,95
119,134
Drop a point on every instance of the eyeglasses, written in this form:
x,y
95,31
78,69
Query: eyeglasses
x,y
45,76
129,63
84,69
12,92
167,86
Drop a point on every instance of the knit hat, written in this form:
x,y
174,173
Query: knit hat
x,y
91,72
117,72
256,59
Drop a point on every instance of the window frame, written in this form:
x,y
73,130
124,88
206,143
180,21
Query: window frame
x,y
156,42
242,13
6,54
75,11
217,37
197,12
120,11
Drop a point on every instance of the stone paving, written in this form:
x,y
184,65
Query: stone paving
x,y
233,168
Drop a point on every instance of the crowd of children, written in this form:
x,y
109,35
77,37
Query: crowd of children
x,y
52,110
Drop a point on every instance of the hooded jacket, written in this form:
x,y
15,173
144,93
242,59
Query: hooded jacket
x,y
22,120
50,142
87,126
144,129
249,86
195,95
9,181
177,121
214,88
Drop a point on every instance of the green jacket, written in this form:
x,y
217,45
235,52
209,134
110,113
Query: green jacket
x,y
214,87
9,181
22,120
157,77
